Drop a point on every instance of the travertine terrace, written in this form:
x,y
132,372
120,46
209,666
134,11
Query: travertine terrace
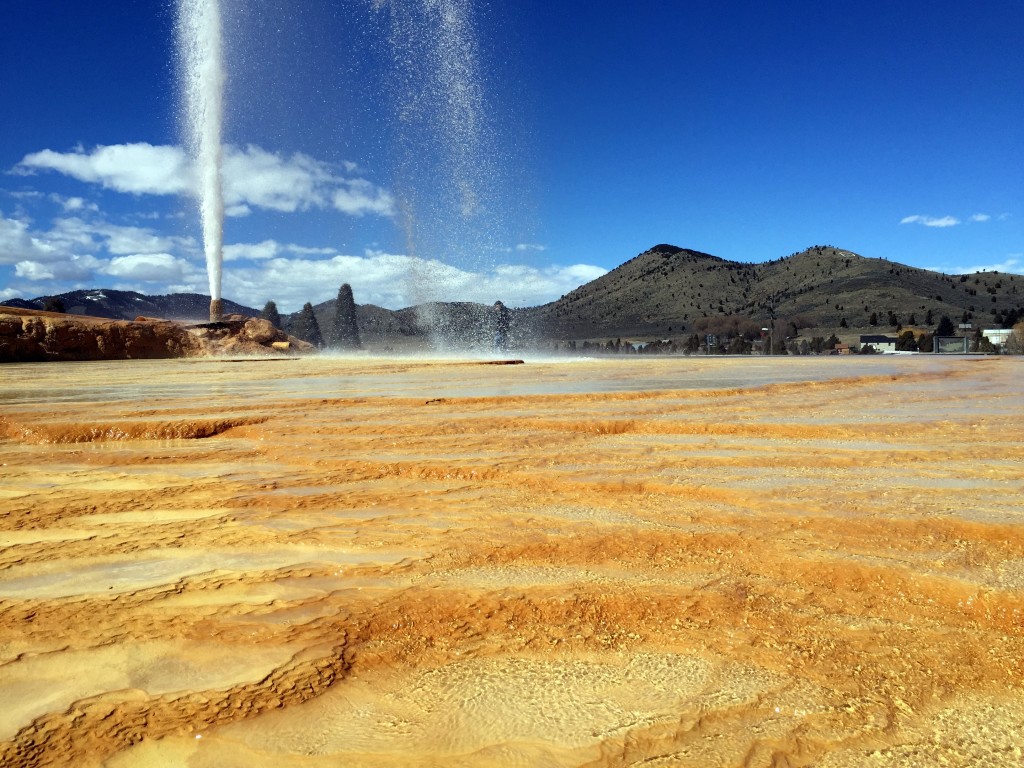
x,y
690,562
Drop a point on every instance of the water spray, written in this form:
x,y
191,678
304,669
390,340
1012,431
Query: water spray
x,y
201,62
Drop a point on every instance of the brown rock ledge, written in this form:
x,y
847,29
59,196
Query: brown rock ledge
x,y
37,336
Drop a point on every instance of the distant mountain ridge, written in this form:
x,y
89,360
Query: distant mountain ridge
x,y
127,305
665,291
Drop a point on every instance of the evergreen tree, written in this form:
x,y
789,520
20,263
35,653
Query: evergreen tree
x,y
907,342
946,327
271,315
345,330
306,327
54,304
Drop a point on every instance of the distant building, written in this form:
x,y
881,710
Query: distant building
x,y
997,335
879,343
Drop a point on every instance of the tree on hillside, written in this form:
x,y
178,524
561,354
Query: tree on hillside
x,y
54,304
271,315
946,327
306,327
344,333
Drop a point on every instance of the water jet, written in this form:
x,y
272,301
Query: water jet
x,y
201,72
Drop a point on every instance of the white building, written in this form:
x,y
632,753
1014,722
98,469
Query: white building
x,y
879,343
997,335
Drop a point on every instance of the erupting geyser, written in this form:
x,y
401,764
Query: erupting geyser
x,y
201,63
447,174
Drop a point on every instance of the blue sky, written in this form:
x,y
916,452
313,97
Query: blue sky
x,y
508,150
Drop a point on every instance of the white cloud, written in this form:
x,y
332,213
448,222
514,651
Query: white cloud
x,y
74,204
133,168
237,211
1014,262
392,280
931,221
69,250
303,250
117,239
980,217
71,268
22,194
89,251
19,243
33,270
358,196
148,267
268,249
11,292
253,177
523,247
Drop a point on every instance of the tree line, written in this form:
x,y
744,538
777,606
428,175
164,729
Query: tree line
x,y
732,335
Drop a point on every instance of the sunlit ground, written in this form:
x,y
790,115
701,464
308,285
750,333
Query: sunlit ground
x,y
371,562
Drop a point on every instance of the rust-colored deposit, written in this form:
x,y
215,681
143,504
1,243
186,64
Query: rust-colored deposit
x,y
692,562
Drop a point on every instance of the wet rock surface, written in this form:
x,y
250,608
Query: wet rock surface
x,y
319,562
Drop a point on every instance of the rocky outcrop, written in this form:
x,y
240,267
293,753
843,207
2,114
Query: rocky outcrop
x,y
36,336
240,335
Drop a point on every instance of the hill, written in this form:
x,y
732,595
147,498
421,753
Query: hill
x,y
669,290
